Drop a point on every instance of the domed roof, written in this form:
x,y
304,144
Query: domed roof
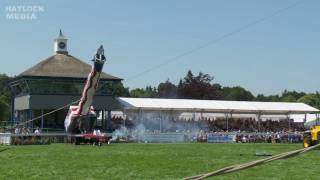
x,y
63,66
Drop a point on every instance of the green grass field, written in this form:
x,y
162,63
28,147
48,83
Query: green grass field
x,y
151,161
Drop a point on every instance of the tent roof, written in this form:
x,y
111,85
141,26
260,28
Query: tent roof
x,y
218,106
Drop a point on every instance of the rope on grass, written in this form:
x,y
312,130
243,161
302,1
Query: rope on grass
x,y
1,150
238,167
53,111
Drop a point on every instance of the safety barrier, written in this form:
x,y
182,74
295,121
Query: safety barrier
x,y
162,138
5,138
217,138
30,139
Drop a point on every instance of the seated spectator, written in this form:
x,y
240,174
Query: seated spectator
x,y
37,131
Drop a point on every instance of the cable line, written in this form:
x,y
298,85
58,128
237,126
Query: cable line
x,y
214,41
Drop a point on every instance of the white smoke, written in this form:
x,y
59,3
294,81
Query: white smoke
x,y
119,133
139,133
153,126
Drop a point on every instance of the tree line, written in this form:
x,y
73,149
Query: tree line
x,y
4,97
202,86
199,86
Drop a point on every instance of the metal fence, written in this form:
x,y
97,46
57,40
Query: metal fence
x,y
47,138
31,139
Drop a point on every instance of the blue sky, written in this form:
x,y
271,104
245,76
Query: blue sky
x,y
279,53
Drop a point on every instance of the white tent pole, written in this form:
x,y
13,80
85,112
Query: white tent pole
x,y
160,121
230,116
305,118
140,115
124,118
259,121
288,119
227,121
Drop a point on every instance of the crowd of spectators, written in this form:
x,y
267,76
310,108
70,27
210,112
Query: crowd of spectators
x,y
220,125
252,125
295,137
244,130
238,137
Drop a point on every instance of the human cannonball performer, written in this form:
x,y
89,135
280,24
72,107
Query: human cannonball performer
x,y
80,118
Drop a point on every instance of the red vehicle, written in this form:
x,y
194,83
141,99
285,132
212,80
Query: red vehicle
x,y
90,138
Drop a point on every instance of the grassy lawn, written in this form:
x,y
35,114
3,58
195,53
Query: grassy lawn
x,y
150,161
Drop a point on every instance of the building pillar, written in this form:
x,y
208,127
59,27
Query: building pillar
x,y
23,117
109,121
30,118
18,116
41,119
103,120
13,120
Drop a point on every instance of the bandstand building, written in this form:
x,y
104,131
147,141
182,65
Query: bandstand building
x,y
54,83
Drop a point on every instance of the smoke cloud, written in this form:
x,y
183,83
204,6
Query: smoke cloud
x,y
160,127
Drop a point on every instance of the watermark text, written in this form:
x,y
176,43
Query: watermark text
x,y
23,12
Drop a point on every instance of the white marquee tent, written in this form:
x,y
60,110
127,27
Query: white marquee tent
x,y
216,106
155,109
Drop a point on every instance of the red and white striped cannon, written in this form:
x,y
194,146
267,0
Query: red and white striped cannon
x,y
80,119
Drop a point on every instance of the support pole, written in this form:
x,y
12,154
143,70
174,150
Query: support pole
x,y
227,121
124,118
305,118
103,123
160,121
109,119
259,121
194,120
30,117
140,116
289,123
230,117
12,106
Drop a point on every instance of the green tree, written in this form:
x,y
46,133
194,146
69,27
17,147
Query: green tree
x,y
198,87
262,98
4,109
311,99
288,98
117,89
4,87
149,92
167,90
5,97
307,99
237,94
291,96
